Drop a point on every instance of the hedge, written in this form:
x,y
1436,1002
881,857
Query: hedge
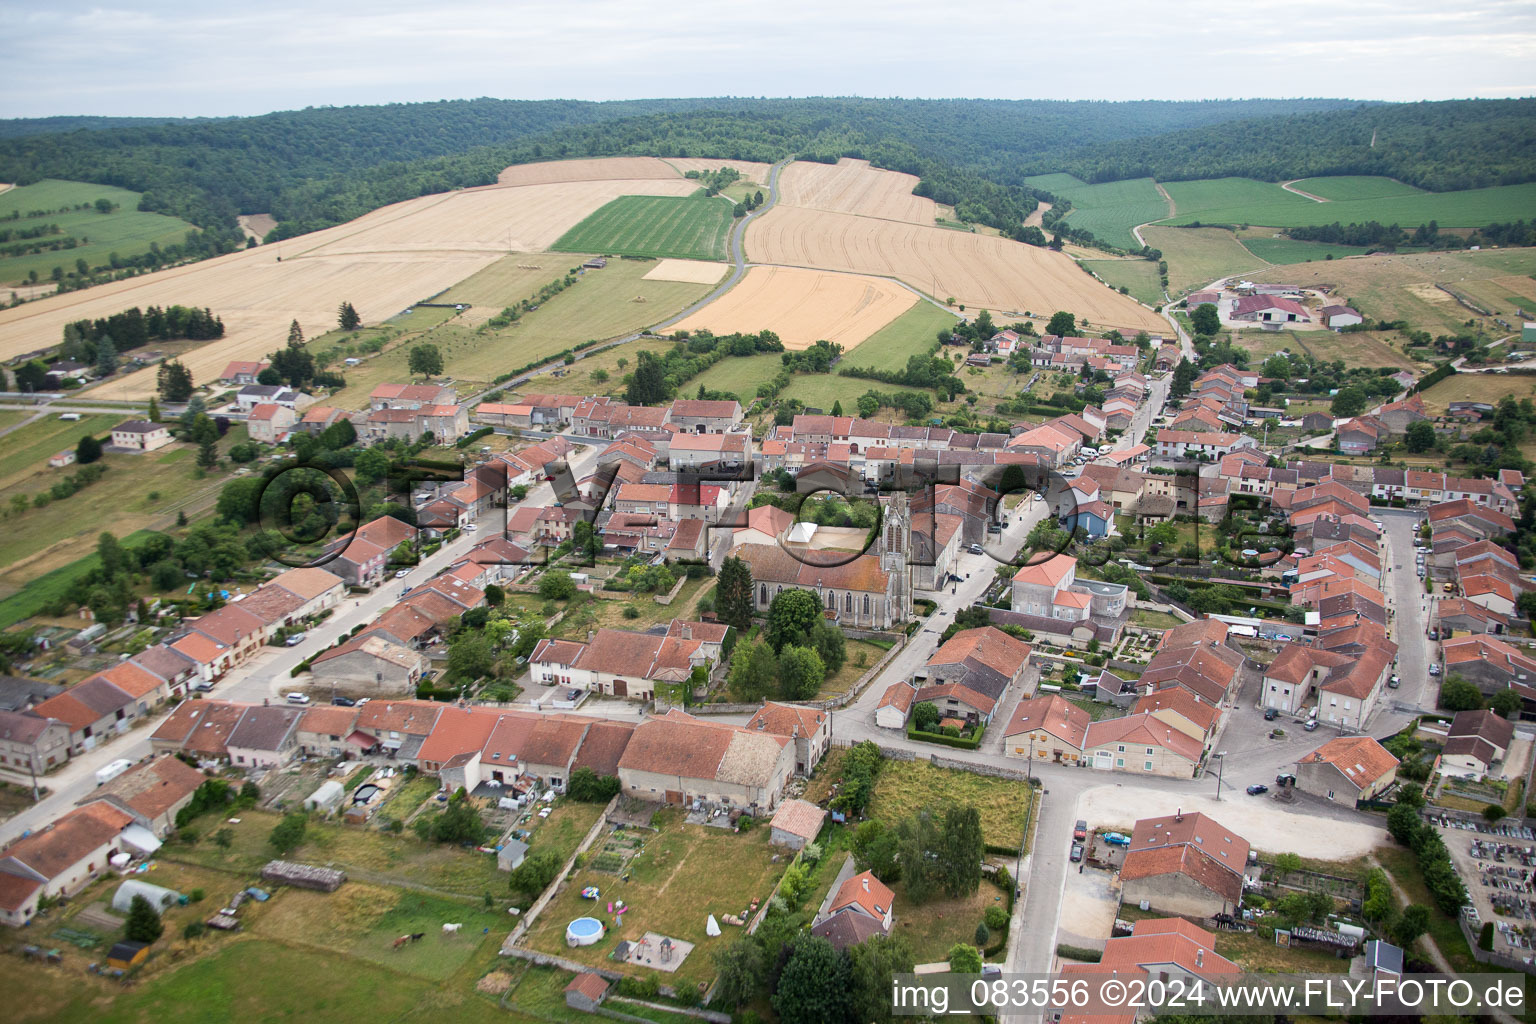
x,y
963,743
1091,956
1432,378
473,436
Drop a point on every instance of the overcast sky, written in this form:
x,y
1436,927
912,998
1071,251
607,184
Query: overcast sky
x,y
191,57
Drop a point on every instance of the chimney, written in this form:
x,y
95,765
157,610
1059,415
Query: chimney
x,y
866,882
1199,957
1178,815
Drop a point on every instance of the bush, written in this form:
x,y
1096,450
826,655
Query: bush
x,y
193,929
996,917
1089,956
1485,937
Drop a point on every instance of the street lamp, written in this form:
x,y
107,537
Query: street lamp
x,y
1221,762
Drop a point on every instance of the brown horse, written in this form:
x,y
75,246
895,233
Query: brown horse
x,y
402,940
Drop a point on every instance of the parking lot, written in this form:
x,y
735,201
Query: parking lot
x,y
1497,865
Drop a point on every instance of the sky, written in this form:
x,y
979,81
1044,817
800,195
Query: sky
x,y
193,58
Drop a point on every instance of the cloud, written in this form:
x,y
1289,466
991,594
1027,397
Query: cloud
x,y
176,57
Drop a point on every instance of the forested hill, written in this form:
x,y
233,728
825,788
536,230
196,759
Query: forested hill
x,y
18,127
1442,147
323,165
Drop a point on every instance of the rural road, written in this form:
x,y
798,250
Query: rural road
x,y
1287,186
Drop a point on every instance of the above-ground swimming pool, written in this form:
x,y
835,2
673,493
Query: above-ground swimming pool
x,y
583,931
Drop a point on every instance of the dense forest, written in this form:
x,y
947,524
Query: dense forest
x,y
1443,147
317,167
321,166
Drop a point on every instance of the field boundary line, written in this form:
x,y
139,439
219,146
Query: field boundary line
x,y
1287,186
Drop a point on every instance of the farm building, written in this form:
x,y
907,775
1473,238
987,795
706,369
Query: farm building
x,y
796,823
585,991
1266,309
1336,317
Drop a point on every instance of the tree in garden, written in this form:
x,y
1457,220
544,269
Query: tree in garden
x,y
983,935
813,987
1350,401
557,585
295,333
875,849
961,854
590,787
837,408
1183,377
733,594
153,415
208,453
287,834
871,965
494,595
371,466
106,357
1506,703
925,716
1413,922
143,924
425,360
754,671
1420,436
114,560
586,544
1403,824
1277,367
1063,324
1493,812
470,655
801,673
1205,319
964,959
339,435
347,318
1456,694
534,874
88,450
739,972
648,385
791,617
459,822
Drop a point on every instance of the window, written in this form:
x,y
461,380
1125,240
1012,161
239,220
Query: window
x,y
848,602
1120,749
1149,751
866,604
1147,766
1119,762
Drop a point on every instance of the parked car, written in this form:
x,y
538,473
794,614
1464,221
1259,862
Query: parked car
x,y
1080,830
294,640
1394,683
201,687
1311,725
402,574
1270,714
1258,789
297,698
1434,634
1077,852
1434,670
976,549
572,694
344,702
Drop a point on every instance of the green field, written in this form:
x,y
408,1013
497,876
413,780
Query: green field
x,y
1244,201
51,586
1291,250
911,334
741,375
1198,256
25,447
1359,186
683,227
1112,209
124,231
1058,182
1138,276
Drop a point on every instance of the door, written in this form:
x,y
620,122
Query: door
x,y
674,796
1102,760
620,688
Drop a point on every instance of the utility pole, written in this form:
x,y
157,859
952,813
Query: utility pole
x,y
1221,762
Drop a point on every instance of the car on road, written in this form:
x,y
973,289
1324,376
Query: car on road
x,y
470,527
976,549
572,694
1080,830
1434,670
402,574
1077,852
1394,683
1258,789
1311,725
1270,714
1434,634
344,702
295,640
1448,587
201,688
297,698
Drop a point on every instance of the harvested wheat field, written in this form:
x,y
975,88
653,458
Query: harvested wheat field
x,y
256,225
687,271
852,186
596,169
978,271
802,306
495,218
751,170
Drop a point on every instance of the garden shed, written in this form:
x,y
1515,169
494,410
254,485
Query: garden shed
x,y
158,896
326,798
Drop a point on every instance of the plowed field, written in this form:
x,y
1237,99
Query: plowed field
x,y
852,186
802,306
976,270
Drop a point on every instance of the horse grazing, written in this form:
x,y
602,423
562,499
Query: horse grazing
x,y
417,936
452,929
402,940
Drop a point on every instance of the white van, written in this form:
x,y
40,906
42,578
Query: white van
x,y
297,698
71,416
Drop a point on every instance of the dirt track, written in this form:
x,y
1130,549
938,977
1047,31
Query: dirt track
x,y
802,306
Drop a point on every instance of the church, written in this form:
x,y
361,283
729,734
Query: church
x,y
864,591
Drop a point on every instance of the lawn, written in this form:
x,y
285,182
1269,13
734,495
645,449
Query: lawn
x,y
1198,256
602,304
1153,619
125,231
1244,201
1364,348
689,227
849,674
1350,186
740,376
1111,209
911,334
1138,276
564,829
683,874
932,928
1477,387
1282,251
36,442
1258,955
605,614
905,787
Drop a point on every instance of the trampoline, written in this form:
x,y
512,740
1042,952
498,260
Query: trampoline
x,y
584,931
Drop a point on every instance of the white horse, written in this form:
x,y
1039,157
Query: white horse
x,y
452,929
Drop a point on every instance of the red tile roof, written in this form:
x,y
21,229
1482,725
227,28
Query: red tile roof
x,y
866,892
1360,758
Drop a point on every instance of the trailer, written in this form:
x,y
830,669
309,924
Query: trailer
x,y
112,771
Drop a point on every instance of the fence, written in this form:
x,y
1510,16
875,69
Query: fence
x,y
671,595
1484,956
889,753
554,887
898,642
980,769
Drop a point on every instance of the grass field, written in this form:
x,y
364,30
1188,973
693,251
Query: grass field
x,y
932,928
124,231
602,304
1355,186
1368,348
1403,287
29,599
1110,210
1057,182
36,442
905,787
740,376
1138,276
684,227
1291,250
911,334
1477,387
1245,201
683,874
1198,256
